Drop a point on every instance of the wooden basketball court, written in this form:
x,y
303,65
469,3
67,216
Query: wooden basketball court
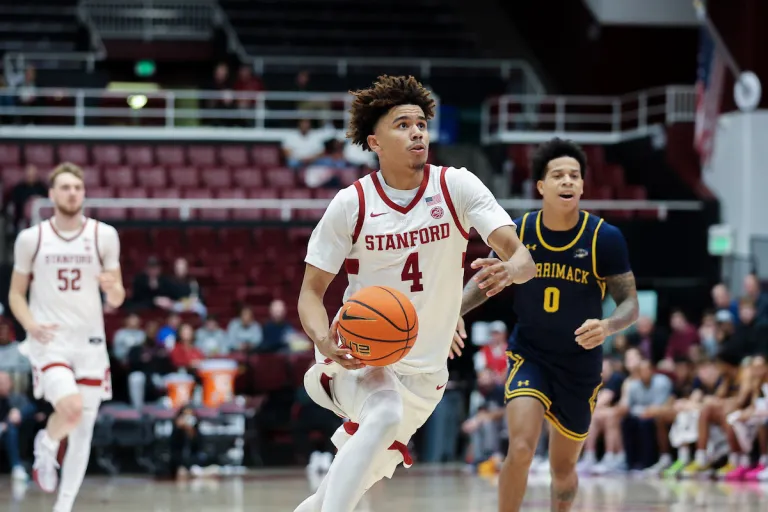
x,y
420,489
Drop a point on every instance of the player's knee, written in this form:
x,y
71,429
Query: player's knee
x,y
71,409
562,469
384,412
521,451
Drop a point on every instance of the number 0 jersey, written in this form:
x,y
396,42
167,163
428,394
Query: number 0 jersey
x,y
414,241
569,288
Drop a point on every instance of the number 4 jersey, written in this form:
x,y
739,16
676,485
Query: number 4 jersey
x,y
411,240
65,268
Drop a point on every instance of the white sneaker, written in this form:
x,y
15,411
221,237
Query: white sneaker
x,y
326,460
45,469
763,475
315,461
19,473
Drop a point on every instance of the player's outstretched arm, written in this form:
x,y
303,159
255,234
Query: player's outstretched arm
x,y
624,292
314,317
515,265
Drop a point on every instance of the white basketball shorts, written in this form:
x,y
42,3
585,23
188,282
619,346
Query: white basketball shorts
x,y
61,369
344,392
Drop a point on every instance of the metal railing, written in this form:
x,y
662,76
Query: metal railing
x,y
93,109
586,119
153,19
42,208
16,62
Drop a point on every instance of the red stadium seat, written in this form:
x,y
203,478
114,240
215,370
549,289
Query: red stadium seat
x,y
248,177
151,177
216,177
121,176
40,155
201,156
184,177
266,155
75,153
107,154
139,155
170,155
10,155
234,156
168,213
281,177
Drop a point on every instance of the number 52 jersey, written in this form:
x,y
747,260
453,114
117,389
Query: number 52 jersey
x,y
412,240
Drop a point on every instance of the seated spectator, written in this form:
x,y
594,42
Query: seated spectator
x,y
643,398
127,337
148,363
683,338
684,430
730,396
11,407
184,354
211,339
649,339
186,295
708,334
754,293
152,289
605,419
484,428
11,360
325,170
168,333
721,298
493,356
748,336
276,331
303,146
244,332
615,458
744,425
31,187
247,82
187,454
225,100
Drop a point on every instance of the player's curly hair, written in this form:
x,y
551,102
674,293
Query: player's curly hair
x,y
553,149
387,92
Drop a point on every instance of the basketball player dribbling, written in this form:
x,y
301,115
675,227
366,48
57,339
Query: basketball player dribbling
x,y
406,227
70,260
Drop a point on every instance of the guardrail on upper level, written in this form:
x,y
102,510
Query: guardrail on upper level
x,y
153,19
42,208
181,114
585,119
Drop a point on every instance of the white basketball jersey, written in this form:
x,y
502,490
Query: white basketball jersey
x,y
65,285
417,249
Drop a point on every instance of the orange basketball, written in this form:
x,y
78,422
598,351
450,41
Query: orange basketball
x,y
379,325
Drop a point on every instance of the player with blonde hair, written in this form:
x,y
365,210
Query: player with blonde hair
x,y
65,263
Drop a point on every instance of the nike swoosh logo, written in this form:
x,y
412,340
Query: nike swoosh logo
x,y
378,214
346,316
441,387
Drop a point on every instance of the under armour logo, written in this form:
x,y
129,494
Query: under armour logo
x,y
530,247
523,383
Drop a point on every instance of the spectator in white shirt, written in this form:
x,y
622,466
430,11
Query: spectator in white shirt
x,y
303,146
127,337
244,332
211,339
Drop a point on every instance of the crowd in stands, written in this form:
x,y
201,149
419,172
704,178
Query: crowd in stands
x,y
663,392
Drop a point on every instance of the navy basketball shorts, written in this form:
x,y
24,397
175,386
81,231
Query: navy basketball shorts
x,y
568,398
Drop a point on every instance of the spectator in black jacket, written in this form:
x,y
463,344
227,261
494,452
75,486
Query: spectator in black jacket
x,y
151,288
11,407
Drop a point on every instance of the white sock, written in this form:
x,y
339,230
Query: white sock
x,y
763,460
589,456
620,457
684,454
50,442
745,460
701,457
75,461
348,478
665,459
733,459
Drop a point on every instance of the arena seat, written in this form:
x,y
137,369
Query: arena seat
x,y
151,177
170,155
74,153
119,176
184,177
10,155
139,155
107,154
234,156
216,177
40,155
248,177
201,156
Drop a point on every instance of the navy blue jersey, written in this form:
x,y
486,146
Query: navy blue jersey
x,y
569,288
